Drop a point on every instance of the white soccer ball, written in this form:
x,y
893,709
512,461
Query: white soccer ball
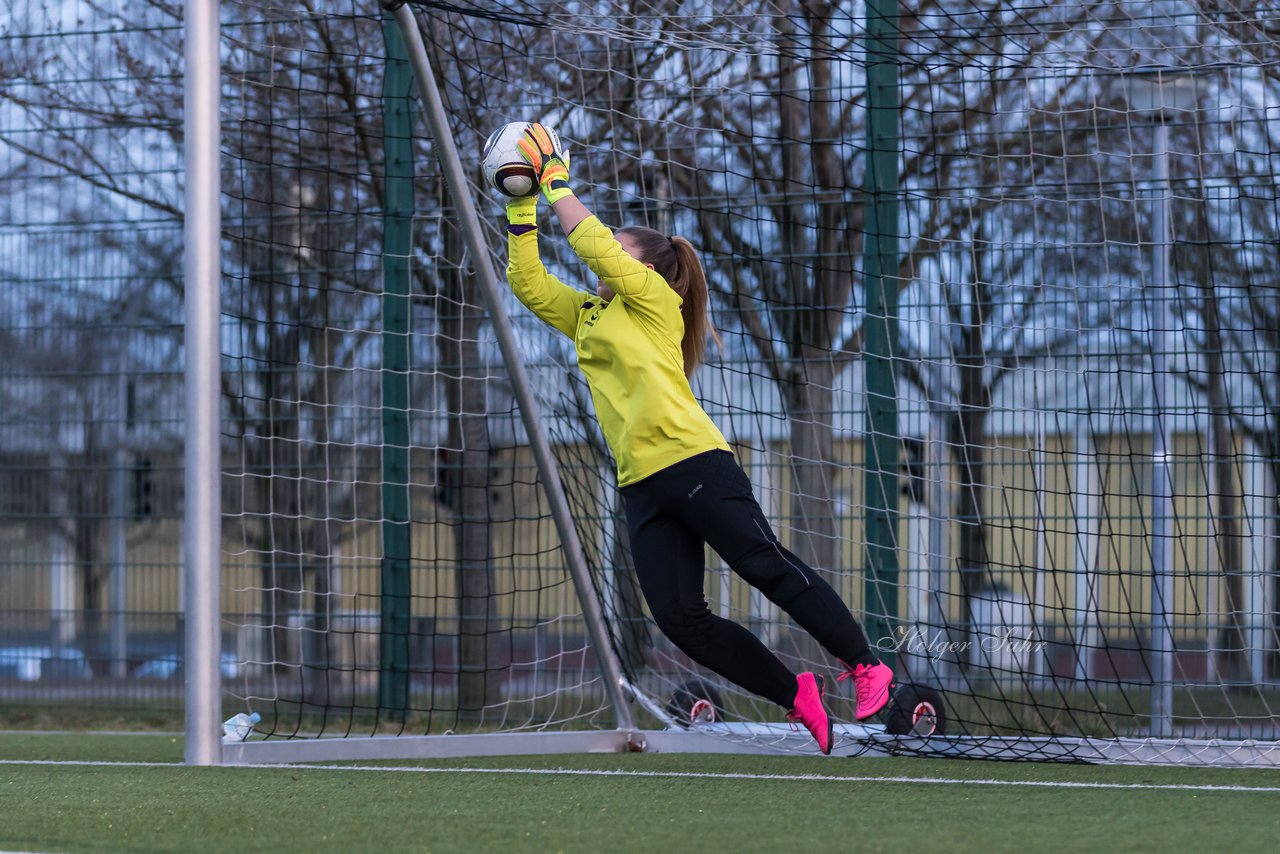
x,y
504,168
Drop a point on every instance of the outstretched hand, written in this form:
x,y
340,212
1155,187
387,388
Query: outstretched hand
x,y
541,148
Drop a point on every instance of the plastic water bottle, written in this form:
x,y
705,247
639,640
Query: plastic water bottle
x,y
238,727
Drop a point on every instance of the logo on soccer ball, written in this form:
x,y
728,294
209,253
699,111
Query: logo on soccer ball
x,y
504,169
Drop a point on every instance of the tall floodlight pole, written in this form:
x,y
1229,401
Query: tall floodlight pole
x,y
1161,94
202,526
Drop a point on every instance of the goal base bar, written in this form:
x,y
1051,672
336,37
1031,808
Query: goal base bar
x,y
872,740
273,751
758,739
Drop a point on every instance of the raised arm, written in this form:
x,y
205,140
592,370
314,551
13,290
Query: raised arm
x,y
546,296
595,244
570,211
550,161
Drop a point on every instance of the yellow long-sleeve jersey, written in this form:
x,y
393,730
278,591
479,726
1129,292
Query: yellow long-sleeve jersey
x,y
628,348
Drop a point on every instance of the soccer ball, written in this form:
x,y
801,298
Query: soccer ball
x,y
504,168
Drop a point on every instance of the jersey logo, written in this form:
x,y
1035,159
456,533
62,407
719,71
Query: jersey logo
x,y
595,315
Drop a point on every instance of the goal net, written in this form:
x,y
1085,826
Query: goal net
x,y
1081,555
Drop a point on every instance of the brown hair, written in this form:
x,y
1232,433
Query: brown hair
x,y
675,259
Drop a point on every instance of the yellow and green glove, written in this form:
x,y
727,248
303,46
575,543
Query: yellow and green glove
x,y
541,149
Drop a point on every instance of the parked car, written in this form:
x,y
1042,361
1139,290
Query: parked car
x,y
33,663
170,667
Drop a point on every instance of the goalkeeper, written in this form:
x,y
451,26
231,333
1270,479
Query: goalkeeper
x,y
639,338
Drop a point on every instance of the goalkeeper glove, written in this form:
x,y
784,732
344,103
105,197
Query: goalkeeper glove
x,y
523,210
540,147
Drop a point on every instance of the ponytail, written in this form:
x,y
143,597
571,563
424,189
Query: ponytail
x,y
676,260
691,283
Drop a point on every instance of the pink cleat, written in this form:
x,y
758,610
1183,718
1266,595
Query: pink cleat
x,y
871,684
808,710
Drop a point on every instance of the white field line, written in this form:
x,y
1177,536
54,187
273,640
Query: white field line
x,y
687,775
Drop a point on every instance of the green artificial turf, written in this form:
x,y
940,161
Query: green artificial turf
x,y
174,808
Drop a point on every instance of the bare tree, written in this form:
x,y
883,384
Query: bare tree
x,y
750,152
986,306
1224,257
302,124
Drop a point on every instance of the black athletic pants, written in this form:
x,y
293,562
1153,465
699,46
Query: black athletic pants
x,y
707,499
